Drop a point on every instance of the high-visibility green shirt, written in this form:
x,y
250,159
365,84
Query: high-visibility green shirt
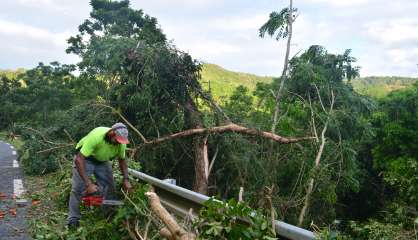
x,y
94,144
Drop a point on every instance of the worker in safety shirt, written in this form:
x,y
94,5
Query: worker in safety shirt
x,y
94,153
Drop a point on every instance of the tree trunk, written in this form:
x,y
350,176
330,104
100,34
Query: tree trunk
x,y
279,92
194,119
200,148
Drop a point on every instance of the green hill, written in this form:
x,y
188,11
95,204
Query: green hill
x,y
222,82
379,87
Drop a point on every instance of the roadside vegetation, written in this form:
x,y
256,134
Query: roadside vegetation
x,y
340,163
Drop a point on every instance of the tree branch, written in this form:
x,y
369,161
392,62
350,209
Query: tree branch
x,y
317,160
174,228
228,128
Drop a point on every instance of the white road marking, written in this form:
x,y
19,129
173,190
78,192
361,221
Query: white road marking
x,y
15,163
18,189
14,152
12,147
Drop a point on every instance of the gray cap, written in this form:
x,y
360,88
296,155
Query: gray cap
x,y
121,132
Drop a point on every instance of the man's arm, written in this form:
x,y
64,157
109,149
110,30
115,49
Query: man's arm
x,y
124,169
80,164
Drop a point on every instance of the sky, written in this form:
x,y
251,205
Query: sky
x,y
383,34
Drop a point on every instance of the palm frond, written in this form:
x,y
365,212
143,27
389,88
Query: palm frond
x,y
277,23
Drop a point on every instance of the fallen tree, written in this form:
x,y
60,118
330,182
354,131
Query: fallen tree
x,y
202,164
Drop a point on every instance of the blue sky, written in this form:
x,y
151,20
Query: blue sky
x,y
383,34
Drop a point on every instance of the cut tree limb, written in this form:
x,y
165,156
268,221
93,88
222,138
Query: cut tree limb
x,y
164,232
174,228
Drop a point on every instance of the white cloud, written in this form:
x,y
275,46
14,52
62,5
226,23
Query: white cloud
x,y
397,41
211,49
393,33
403,57
34,2
239,23
309,31
170,5
41,4
27,33
340,3
22,45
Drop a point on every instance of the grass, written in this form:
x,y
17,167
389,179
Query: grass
x,y
223,82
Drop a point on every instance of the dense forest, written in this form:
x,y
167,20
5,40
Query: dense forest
x,y
335,160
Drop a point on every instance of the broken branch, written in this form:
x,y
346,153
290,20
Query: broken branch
x,y
228,128
174,228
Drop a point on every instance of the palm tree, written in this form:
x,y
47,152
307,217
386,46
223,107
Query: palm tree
x,y
280,24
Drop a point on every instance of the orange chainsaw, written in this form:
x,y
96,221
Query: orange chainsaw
x,y
97,199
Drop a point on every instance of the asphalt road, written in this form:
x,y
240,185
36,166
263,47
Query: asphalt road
x,y
12,215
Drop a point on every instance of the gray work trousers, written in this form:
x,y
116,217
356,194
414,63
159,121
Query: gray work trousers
x,y
104,179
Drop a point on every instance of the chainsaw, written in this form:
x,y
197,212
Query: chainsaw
x,y
97,199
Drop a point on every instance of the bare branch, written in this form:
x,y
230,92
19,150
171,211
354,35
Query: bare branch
x,y
228,128
55,148
313,120
317,159
320,99
213,160
69,136
241,192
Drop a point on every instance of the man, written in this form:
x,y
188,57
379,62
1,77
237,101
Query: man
x,y
94,153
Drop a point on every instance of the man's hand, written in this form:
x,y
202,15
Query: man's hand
x,y
127,187
90,189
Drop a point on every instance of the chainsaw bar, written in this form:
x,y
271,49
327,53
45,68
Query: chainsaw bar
x,y
99,201
112,202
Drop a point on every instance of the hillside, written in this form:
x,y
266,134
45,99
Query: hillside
x,y
378,87
223,82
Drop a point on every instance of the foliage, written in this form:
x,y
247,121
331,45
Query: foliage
x,y
219,220
374,230
395,150
278,22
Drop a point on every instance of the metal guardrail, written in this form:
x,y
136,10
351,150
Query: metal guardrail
x,y
183,202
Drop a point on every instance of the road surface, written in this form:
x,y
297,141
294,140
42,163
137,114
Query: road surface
x,y
12,215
